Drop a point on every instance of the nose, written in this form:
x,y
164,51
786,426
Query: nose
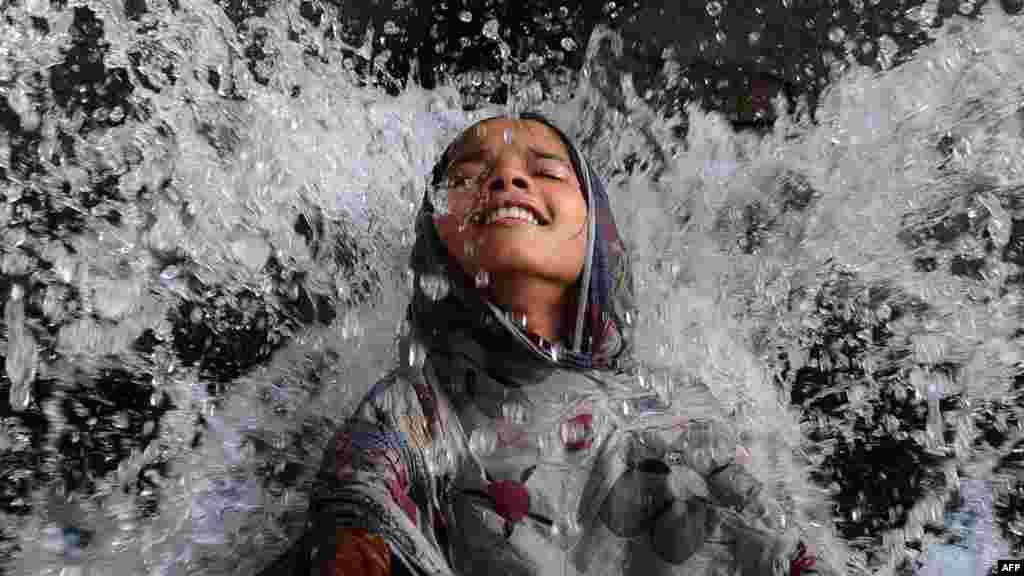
x,y
510,173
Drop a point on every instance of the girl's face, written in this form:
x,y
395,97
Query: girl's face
x,y
515,203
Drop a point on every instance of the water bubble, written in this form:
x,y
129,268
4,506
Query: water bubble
x,y
344,291
753,38
565,530
404,328
116,114
534,92
350,326
417,354
466,16
430,456
513,412
520,319
483,441
483,279
435,286
490,29
663,386
568,44
714,9
20,397
168,275
836,35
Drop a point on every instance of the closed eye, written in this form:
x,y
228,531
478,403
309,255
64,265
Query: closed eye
x,y
550,168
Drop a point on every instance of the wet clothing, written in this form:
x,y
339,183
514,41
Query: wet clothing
x,y
492,451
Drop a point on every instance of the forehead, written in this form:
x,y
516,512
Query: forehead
x,y
523,132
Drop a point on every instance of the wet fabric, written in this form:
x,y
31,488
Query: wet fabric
x,y
490,450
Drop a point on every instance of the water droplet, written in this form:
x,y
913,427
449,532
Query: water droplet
x,y
416,354
490,29
483,441
565,530
466,16
568,44
435,286
20,396
404,328
483,279
714,9
663,386
168,274
350,326
513,412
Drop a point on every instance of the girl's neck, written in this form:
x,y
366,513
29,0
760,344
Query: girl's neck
x,y
543,303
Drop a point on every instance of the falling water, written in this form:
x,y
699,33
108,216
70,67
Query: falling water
x,y
203,266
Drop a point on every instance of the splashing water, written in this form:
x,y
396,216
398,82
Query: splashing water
x,y
200,279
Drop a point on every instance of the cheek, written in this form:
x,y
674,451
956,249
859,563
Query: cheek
x,y
460,203
578,250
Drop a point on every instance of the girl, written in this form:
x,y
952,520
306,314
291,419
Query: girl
x,y
519,436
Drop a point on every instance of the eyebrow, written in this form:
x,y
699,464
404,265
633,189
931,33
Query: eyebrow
x,y
478,153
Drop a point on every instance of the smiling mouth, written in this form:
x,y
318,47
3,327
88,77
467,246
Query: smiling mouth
x,y
510,214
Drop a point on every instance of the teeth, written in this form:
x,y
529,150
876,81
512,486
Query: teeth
x,y
512,212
